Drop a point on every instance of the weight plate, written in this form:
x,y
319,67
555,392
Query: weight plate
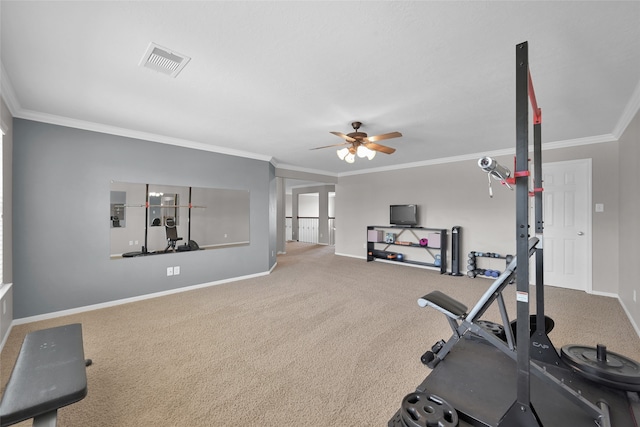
x,y
495,328
533,323
615,369
427,410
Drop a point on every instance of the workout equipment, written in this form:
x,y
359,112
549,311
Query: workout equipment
x,y
172,234
473,270
50,373
602,366
522,381
425,410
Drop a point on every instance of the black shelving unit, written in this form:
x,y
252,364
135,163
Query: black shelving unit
x,y
413,236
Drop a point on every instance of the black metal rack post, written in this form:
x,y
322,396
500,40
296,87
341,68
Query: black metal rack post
x,y
521,412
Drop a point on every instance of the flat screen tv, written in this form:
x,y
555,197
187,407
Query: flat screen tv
x,y
403,215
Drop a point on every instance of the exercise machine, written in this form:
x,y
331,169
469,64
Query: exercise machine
x,y
493,375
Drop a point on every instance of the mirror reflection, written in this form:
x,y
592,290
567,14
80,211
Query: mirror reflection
x,y
149,219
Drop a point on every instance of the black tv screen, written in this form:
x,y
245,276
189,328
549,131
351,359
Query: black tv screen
x,y
404,215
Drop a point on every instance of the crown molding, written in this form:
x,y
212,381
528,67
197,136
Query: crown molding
x,y
599,139
630,111
128,133
7,93
287,167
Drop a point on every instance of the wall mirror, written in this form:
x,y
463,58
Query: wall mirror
x,y
152,219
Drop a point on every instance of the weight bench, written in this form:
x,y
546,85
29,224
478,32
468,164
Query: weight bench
x,y
463,321
50,373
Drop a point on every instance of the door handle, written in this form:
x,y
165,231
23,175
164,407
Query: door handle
x,y
580,233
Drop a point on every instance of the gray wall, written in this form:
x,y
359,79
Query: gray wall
x,y
457,194
629,233
61,202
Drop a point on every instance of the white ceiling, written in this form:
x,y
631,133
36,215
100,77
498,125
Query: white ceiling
x,y
271,79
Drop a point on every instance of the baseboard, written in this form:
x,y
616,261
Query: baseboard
x,y
61,313
633,323
6,336
351,256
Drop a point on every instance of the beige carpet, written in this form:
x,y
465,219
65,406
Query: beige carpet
x,y
323,341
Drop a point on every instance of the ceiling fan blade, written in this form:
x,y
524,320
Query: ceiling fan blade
x,y
343,136
334,145
384,136
380,148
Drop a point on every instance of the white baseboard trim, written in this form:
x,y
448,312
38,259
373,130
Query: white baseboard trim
x,y
350,256
6,336
633,323
61,313
604,294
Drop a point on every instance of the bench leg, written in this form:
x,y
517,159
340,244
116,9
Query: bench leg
x,y
50,419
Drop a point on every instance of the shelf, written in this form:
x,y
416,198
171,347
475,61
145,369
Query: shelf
x,y
376,250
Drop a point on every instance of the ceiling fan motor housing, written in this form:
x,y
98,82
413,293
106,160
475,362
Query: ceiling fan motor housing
x,y
357,135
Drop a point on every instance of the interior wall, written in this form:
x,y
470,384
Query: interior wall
x,y
6,292
629,232
62,191
456,194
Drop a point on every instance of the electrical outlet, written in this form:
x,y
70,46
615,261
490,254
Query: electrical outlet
x,y
169,271
634,295
130,242
176,270
225,235
4,306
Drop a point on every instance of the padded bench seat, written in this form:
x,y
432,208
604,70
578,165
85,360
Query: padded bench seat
x,y
49,373
444,303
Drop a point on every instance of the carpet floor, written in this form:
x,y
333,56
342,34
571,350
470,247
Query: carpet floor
x,y
323,340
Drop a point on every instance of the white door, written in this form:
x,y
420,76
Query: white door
x,y
567,224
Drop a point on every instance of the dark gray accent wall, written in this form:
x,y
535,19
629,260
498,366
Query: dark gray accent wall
x,y
61,187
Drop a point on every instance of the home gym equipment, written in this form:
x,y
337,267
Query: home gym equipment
x,y
50,373
520,380
472,264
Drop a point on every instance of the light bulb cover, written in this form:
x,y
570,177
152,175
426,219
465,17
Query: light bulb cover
x,y
350,158
342,153
363,151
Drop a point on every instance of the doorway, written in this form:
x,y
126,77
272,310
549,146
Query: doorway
x,y
567,224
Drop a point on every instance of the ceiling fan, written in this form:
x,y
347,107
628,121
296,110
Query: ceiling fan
x,y
360,144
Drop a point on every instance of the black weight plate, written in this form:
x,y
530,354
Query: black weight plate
x,y
495,328
617,369
427,410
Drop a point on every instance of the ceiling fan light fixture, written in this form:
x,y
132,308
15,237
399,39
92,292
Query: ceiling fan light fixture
x,y
350,158
362,151
371,154
342,153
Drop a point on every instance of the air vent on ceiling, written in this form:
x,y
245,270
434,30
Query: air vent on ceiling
x,y
163,60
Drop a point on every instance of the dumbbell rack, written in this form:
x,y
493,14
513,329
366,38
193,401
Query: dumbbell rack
x,y
472,264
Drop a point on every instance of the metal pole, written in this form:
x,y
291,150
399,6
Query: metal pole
x,y
521,413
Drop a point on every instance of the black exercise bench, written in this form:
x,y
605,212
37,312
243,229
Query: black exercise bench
x,y
50,373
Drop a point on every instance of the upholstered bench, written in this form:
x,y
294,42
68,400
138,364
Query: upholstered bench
x,y
50,373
